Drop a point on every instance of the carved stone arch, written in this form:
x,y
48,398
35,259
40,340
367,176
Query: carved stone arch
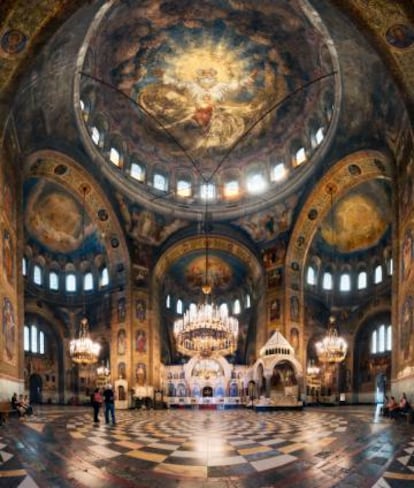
x,y
346,174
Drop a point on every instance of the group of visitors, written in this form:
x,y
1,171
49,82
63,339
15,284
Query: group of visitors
x,y
107,397
394,409
21,405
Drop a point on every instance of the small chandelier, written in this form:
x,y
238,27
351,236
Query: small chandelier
x,y
83,350
103,370
313,369
206,329
332,348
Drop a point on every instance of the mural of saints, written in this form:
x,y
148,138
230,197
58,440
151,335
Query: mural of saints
x,y
8,253
141,341
121,342
9,332
406,327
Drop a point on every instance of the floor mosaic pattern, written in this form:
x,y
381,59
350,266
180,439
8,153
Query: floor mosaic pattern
x,y
316,447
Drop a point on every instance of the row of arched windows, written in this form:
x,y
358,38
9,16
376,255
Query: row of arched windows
x,y
346,280
254,179
381,339
234,308
69,281
33,339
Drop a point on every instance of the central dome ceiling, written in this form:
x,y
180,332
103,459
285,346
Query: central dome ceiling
x,y
224,102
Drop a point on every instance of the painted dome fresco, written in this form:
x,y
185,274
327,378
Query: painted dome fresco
x,y
218,101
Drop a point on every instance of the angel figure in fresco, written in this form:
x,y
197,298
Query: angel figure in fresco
x,y
211,105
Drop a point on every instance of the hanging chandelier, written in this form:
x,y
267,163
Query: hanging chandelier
x,y
103,370
313,369
206,329
332,348
83,350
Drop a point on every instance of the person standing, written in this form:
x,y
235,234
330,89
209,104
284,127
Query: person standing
x,y
96,404
109,398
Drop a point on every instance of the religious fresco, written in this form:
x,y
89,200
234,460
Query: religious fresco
x,y
268,225
140,341
360,219
225,271
12,42
9,332
146,226
121,343
54,217
8,256
400,35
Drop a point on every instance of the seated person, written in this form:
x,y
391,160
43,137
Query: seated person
x,y
26,405
404,404
393,408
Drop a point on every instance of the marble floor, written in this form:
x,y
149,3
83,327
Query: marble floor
x,y
347,446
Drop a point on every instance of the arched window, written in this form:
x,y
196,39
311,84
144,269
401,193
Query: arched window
x,y
71,282
179,307
389,338
362,280
311,276
231,189
115,157
224,308
236,307
184,188
53,281
381,338
319,135
390,266
327,281
24,267
378,274
26,338
300,156
88,281
374,342
278,172
168,301
33,338
95,135
208,191
104,277
137,172
248,301
37,275
41,342
345,282
160,182
256,182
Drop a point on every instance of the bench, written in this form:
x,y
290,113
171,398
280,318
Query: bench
x,y
5,409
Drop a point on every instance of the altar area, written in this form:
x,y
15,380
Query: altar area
x,y
212,382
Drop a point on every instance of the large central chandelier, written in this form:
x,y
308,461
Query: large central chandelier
x,y
332,348
83,350
206,329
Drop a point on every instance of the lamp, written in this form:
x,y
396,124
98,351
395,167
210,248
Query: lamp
x,y
312,369
332,348
83,350
103,370
206,329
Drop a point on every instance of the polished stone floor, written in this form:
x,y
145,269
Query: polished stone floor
x,y
348,446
